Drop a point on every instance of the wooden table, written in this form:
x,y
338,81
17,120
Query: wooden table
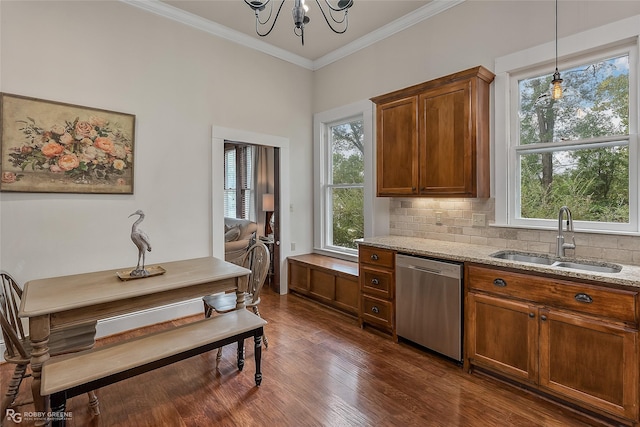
x,y
75,299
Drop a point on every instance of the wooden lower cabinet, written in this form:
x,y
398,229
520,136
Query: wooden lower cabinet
x,y
589,361
377,288
582,359
503,337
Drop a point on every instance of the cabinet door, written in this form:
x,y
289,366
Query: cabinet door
x,y
590,361
397,147
447,154
503,335
298,277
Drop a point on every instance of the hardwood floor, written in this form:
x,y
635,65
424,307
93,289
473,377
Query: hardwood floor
x,y
320,369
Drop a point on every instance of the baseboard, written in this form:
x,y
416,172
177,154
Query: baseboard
x,y
139,319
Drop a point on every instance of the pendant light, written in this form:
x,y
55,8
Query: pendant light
x,y
556,91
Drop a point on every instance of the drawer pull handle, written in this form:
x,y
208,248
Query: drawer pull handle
x,y
585,298
375,309
543,317
375,282
499,282
374,257
532,315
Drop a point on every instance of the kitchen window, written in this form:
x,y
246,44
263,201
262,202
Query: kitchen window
x,y
580,150
344,205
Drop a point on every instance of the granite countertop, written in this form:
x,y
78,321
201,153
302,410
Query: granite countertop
x,y
464,252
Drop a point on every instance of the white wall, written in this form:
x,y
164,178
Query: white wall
x,y
179,82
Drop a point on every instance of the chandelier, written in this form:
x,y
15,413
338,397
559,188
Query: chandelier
x,y
336,15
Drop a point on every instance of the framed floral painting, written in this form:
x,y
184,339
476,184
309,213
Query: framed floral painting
x,y
53,147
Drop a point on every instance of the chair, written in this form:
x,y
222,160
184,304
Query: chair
x,y
257,260
18,347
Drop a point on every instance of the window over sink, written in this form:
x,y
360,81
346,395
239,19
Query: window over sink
x,y
580,150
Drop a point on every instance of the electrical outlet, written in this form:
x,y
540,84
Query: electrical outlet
x,y
293,246
478,220
438,218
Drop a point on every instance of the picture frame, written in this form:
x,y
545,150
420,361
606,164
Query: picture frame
x,y
55,147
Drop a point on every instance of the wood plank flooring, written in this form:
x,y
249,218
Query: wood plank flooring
x,y
320,369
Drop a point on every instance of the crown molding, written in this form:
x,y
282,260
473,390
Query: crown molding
x,y
165,10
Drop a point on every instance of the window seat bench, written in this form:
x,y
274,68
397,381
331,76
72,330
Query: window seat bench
x,y
328,280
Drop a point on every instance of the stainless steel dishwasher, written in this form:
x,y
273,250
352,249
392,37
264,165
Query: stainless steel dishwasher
x,y
429,304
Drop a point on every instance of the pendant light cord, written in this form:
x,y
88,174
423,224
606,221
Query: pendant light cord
x,y
556,35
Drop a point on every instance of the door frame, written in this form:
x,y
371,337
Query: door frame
x,y
221,134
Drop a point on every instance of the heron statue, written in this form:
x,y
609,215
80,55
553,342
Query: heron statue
x,y
141,240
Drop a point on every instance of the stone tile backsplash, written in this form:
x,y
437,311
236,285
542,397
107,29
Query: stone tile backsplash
x,y
417,218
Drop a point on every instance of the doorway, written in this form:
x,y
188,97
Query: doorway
x,y
281,193
252,192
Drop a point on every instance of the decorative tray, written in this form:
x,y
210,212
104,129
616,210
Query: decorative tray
x,y
155,270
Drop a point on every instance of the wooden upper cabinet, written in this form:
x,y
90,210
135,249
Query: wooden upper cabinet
x,y
397,127
433,138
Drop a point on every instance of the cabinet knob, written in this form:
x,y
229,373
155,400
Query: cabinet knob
x,y
374,257
532,315
543,317
499,282
375,309
413,188
375,282
582,297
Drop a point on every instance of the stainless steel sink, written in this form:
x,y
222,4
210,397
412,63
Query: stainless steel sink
x,y
548,260
524,257
595,267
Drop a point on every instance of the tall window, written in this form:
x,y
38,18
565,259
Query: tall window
x,y
344,189
579,150
238,178
345,206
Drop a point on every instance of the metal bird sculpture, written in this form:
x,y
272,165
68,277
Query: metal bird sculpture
x,y
141,240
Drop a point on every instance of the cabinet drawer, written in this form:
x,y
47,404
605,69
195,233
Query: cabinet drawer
x,y
590,299
378,311
376,256
377,282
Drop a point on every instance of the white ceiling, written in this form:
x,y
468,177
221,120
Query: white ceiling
x,y
369,21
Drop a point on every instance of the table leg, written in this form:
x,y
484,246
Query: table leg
x,y
39,330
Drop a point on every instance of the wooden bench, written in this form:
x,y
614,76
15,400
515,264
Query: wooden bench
x,y
331,281
67,376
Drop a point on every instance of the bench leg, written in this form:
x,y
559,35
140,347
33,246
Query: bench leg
x,y
258,358
58,406
240,355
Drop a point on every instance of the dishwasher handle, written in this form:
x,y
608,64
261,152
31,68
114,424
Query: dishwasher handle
x,y
424,269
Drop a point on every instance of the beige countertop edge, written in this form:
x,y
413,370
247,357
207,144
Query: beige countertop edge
x,y
464,252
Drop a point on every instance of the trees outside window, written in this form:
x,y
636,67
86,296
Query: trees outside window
x,y
574,151
345,188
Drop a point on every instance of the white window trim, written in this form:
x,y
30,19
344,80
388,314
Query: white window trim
x,y
376,210
617,33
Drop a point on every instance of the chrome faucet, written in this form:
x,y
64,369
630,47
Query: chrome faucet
x,y
561,245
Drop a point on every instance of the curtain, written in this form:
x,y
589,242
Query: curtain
x,y
260,184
